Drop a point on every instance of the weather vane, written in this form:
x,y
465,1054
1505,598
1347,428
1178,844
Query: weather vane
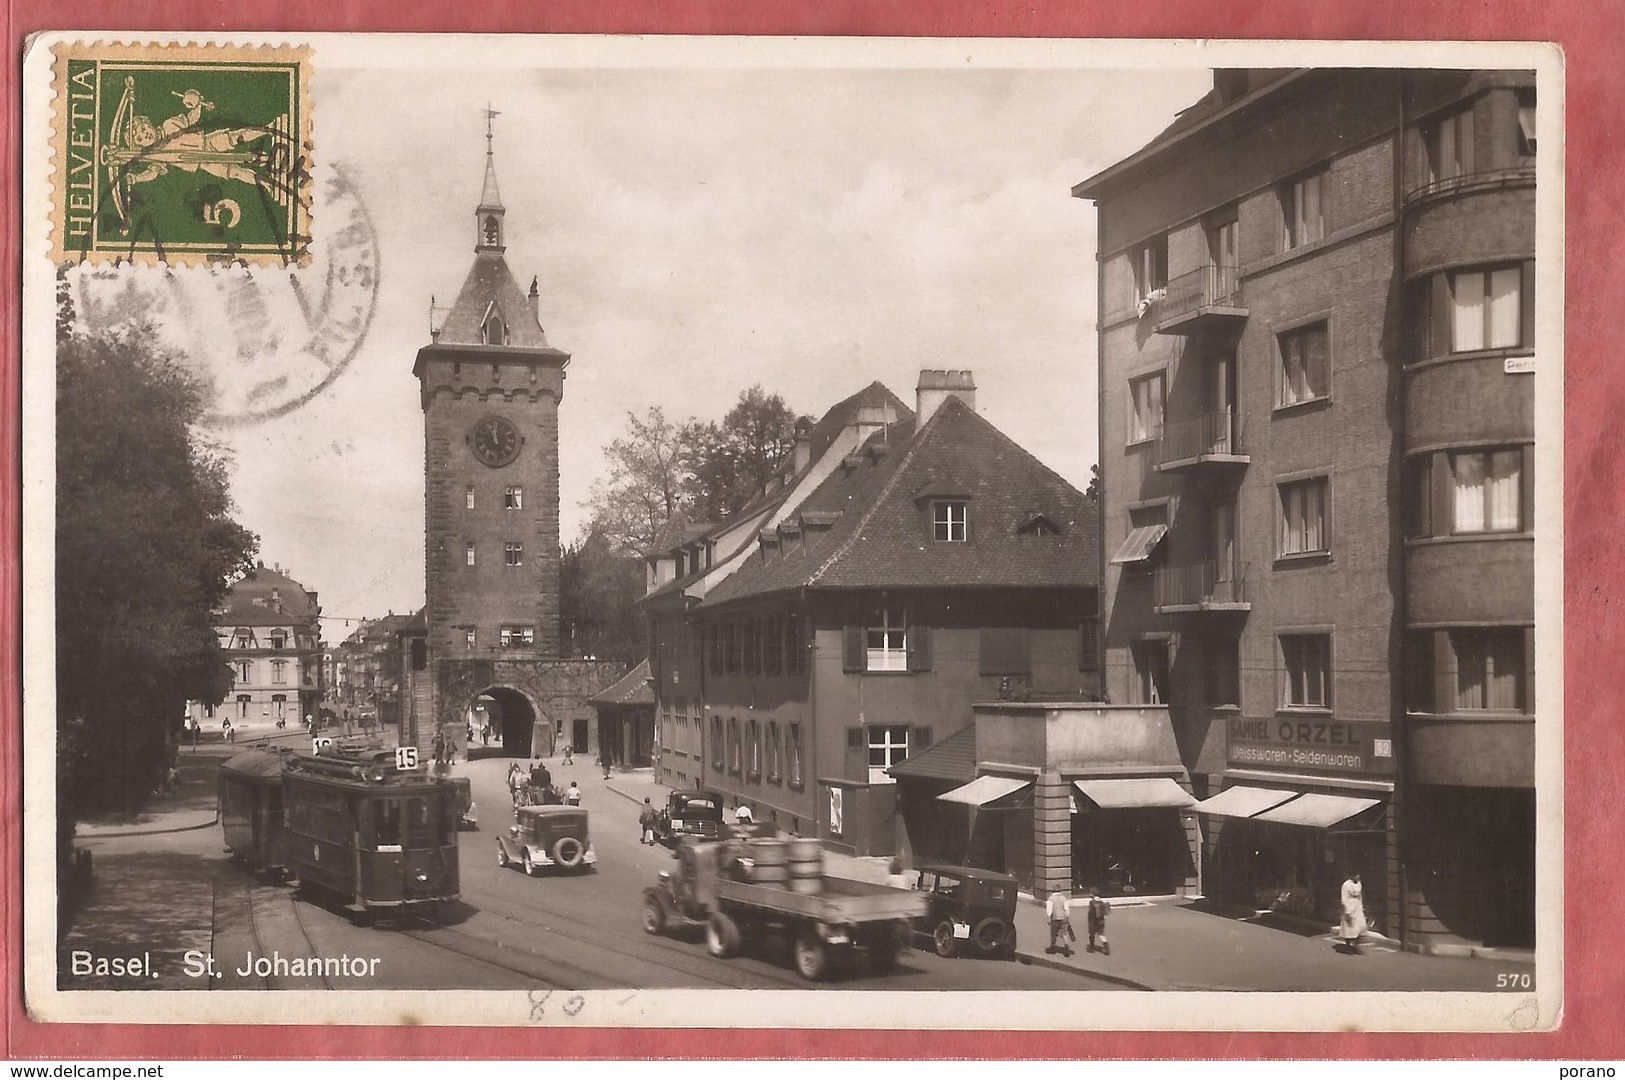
x,y
490,115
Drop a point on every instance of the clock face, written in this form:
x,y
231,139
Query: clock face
x,y
495,441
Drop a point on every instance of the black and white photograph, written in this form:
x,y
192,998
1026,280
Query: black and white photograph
x,y
959,534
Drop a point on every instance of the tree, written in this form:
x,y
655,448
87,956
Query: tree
x,y
1092,493
646,484
730,463
145,550
598,595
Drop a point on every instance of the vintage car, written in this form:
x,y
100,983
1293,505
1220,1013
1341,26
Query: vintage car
x,y
546,836
970,910
690,813
468,815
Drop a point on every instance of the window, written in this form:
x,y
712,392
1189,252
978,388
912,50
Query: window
x,y
1150,268
279,705
751,631
492,332
793,766
775,753
1003,650
1306,671
1489,669
493,230
717,758
1488,491
1418,496
1303,211
242,706
886,642
513,553
795,647
713,637
468,636
468,553
516,635
1450,147
468,497
243,638
1305,365
753,749
888,746
1224,673
730,648
948,522
1419,672
279,639
513,498
1150,673
1303,517
244,670
1526,122
1146,396
1486,309
772,644
733,745
279,671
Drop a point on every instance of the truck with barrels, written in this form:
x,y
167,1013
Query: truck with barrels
x,y
769,888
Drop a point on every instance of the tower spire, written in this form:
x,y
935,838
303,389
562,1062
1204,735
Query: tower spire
x,y
488,215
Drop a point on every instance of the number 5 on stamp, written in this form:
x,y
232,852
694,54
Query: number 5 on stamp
x,y
181,154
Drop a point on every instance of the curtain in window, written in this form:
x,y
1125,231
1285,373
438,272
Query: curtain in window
x,y
1489,670
1145,412
1468,327
1505,473
1303,517
1470,489
1506,308
1305,365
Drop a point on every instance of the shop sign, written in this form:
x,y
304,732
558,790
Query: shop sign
x,y
1310,744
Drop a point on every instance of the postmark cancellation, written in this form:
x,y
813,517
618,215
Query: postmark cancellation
x,y
181,154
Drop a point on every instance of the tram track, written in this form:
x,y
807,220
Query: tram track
x,y
270,982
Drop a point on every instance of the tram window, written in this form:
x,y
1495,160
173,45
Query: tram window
x,y
420,826
387,815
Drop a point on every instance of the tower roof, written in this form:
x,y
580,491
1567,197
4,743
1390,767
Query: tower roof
x,y
490,197
490,289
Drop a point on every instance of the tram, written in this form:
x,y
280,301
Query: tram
x,y
250,793
372,835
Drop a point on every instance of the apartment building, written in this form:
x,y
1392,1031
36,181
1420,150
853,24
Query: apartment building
x,y
1316,347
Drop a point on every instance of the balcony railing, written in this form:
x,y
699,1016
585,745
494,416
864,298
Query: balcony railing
x,y
1205,291
1487,180
1205,586
1205,437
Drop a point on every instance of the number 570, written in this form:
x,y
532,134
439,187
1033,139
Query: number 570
x,y
1514,980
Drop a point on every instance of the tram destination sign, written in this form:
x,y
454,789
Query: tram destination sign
x,y
1313,744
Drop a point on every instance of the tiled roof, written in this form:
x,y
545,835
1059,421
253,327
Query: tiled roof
x,y
632,689
489,283
875,395
293,604
880,540
952,759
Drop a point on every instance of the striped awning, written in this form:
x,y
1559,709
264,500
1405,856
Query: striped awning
x,y
1139,544
1317,811
984,789
1243,801
1132,793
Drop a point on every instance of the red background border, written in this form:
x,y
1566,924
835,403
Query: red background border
x,y
1589,32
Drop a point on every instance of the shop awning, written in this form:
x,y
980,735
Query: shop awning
x,y
984,789
1243,801
1139,544
1125,794
1317,811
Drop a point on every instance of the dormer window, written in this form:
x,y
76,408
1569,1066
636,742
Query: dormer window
x,y
493,331
949,522
1038,525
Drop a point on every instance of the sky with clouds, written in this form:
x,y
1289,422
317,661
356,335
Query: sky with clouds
x,y
695,231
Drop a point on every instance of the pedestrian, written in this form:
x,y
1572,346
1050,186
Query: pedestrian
x,y
172,782
310,723
1098,910
485,734
197,730
1061,934
438,747
516,781
569,755
646,822
1352,924
572,795
603,759
743,816
231,732
468,727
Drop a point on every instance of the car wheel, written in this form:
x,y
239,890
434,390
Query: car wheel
x,y
883,952
943,938
530,866
721,936
989,934
812,955
568,852
654,915
502,856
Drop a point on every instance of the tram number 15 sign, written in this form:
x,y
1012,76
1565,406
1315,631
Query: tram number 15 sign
x,y
406,758
316,745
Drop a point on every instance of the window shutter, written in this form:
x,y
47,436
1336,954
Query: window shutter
x,y
918,740
857,753
852,654
1089,644
919,648
857,738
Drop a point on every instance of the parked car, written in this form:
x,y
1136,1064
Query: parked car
x,y
546,836
969,910
690,813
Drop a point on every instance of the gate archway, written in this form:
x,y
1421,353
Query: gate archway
x,y
512,717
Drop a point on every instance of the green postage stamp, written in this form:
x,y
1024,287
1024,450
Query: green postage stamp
x,y
181,154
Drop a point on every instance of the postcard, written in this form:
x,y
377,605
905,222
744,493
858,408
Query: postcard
x,y
700,532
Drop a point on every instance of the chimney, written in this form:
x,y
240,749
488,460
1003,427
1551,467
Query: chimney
x,y
803,453
535,302
935,387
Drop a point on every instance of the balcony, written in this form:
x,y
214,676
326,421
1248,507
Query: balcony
x,y
1210,438
1204,586
1468,183
1208,298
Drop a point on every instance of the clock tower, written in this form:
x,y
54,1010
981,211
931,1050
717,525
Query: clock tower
x,y
490,386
